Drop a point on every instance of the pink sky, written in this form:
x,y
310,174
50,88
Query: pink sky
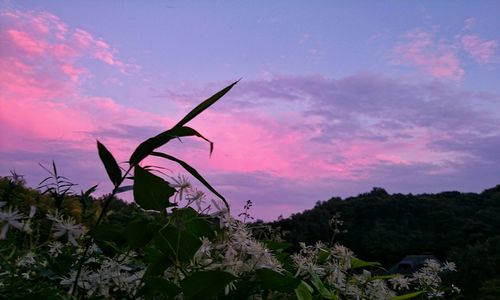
x,y
284,139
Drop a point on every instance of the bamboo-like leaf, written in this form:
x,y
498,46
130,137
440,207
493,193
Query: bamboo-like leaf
x,y
205,104
149,145
110,164
193,172
124,189
357,263
303,291
408,296
188,131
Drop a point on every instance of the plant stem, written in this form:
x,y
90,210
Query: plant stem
x,y
99,219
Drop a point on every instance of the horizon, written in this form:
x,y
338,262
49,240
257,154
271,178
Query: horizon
x,y
406,99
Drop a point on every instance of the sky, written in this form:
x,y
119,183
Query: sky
x,y
336,97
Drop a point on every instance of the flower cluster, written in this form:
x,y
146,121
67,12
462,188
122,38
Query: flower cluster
x,y
111,271
340,270
235,251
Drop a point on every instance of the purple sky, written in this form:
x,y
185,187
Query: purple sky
x,y
337,96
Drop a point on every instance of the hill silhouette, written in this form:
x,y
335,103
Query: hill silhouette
x,y
459,227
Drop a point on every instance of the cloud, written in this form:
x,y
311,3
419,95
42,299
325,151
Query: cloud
x,y
284,142
441,57
482,51
42,71
344,128
434,57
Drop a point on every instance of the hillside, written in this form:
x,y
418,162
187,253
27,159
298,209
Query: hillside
x,y
459,227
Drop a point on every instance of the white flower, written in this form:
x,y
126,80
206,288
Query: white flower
x,y
69,227
32,211
181,183
55,217
11,217
27,260
399,282
55,248
196,197
449,266
455,289
86,281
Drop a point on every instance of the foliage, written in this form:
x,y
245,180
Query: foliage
x,y
57,245
459,227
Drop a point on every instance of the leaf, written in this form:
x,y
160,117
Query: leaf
x,y
159,263
90,191
124,189
188,131
189,220
407,296
154,286
109,233
275,281
205,104
181,245
149,145
322,256
110,164
205,284
140,232
276,245
303,291
151,191
193,172
318,284
357,263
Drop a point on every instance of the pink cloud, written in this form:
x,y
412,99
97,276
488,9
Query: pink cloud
x,y
40,80
25,42
434,57
483,51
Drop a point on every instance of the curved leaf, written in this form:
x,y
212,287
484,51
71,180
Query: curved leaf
x,y
151,191
205,284
193,172
149,145
110,164
205,104
155,287
275,281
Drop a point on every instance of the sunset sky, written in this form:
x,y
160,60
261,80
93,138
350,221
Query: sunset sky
x,y
337,97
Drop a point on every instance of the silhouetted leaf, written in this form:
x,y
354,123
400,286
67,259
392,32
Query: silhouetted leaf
x,y
158,286
140,232
159,263
149,145
124,189
275,281
151,191
109,233
189,220
110,164
205,284
179,244
193,172
205,104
